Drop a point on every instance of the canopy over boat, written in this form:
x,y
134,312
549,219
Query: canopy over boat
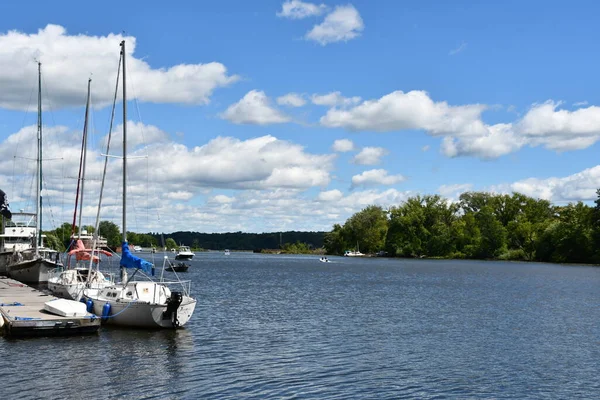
x,y
128,260
83,254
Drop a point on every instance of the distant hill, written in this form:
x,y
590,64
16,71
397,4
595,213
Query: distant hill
x,y
243,241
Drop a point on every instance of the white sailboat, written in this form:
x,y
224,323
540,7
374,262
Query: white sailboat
x,y
82,264
353,253
33,265
143,304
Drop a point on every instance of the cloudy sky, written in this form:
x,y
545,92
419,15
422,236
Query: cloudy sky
x,y
291,115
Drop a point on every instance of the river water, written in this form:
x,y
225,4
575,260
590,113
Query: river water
x,y
291,327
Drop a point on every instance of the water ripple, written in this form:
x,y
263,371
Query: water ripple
x,y
293,328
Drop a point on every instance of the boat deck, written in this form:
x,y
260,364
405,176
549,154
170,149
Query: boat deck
x,y
22,313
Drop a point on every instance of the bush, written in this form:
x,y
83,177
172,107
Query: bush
x,y
513,255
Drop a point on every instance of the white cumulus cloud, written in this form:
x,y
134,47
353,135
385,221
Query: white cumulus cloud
x,y
296,9
375,177
342,145
454,191
67,61
292,100
342,24
334,99
558,129
330,195
254,108
580,186
370,156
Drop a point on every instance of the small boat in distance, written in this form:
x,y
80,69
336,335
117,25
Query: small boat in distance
x,y
179,267
324,259
350,253
184,253
227,252
353,253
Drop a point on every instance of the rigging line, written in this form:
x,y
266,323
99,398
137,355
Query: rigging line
x,y
147,164
45,90
135,101
83,143
112,118
18,141
49,204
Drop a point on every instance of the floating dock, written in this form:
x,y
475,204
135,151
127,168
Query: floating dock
x,y
22,313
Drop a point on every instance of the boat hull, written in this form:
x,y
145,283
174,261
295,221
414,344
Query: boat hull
x,y
71,292
5,258
145,315
177,269
31,271
184,256
69,284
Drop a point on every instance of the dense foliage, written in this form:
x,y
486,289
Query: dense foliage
x,y
480,225
293,241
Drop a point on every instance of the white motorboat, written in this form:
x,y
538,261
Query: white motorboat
x,y
227,252
33,265
18,235
184,253
324,259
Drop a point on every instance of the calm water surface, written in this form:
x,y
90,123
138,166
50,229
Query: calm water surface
x,y
290,327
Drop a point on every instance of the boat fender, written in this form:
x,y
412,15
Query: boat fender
x,y
105,311
89,304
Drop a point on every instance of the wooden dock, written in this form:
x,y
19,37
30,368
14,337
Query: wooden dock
x,y
22,313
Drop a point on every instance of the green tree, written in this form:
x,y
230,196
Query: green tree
x,y
493,234
472,202
570,237
170,244
334,241
368,228
53,242
466,235
407,234
111,232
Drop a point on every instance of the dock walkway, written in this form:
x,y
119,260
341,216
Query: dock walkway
x,y
22,313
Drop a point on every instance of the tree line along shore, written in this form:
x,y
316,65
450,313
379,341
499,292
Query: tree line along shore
x,y
479,225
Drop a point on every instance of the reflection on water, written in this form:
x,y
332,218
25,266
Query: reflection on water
x,y
292,327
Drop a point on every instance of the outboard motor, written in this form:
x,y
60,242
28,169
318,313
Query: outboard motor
x,y
173,304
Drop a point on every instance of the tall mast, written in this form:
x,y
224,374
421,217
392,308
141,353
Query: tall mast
x,y
85,134
124,146
38,205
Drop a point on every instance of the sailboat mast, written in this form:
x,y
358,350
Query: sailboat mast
x,y
38,205
85,134
124,146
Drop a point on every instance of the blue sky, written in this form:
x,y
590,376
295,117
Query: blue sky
x,y
283,115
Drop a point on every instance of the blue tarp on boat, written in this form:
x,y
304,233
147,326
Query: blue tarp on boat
x,y
128,260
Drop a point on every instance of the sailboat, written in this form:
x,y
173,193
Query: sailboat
x,y
143,304
33,265
353,253
80,273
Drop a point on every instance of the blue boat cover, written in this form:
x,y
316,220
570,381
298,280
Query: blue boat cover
x,y
128,260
